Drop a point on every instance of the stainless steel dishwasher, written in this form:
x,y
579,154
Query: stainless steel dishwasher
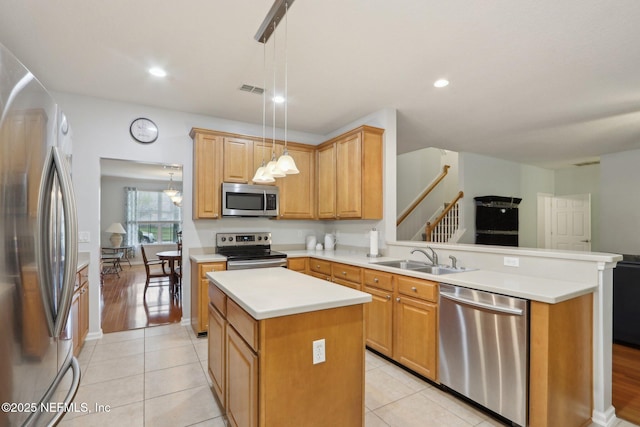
x,y
484,349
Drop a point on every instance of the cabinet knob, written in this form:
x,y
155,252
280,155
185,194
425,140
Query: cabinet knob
x,y
344,273
388,297
375,279
413,288
398,299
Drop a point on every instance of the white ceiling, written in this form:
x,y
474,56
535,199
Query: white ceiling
x,y
545,82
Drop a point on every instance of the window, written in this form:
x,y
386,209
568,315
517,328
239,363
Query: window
x,y
151,217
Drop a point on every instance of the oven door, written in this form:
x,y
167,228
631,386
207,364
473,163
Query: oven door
x,y
249,200
256,263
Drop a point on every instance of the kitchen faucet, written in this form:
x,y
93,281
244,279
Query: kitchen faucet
x,y
433,257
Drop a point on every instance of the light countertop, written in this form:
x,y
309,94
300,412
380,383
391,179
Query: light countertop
x,y
522,286
533,288
273,292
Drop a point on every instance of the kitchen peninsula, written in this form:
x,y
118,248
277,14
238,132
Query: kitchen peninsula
x,y
278,341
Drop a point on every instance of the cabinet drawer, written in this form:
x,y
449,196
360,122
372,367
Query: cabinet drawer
x,y
297,264
347,283
218,299
417,288
209,267
320,266
346,272
326,277
378,279
243,323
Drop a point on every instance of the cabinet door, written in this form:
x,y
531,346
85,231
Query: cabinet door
x,y
200,294
326,162
83,314
349,177
378,318
207,176
242,387
416,336
297,199
238,160
297,264
217,342
75,322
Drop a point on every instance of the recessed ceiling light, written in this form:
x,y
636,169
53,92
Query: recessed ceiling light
x,y
278,99
441,83
158,72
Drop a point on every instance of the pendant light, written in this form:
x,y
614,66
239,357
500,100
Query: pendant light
x,y
286,163
272,166
170,191
262,176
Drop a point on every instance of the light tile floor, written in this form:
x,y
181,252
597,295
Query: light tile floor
x,y
158,377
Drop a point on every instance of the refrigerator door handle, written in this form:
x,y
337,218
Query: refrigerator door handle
x,y
56,172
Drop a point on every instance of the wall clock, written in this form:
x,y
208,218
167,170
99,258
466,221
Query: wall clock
x,y
143,130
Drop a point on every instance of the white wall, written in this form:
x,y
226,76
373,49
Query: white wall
x,y
619,230
487,176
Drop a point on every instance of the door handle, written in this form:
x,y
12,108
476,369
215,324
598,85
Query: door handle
x,y
585,241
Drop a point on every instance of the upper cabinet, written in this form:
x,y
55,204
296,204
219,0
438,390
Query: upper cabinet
x,y
238,160
340,179
297,200
350,175
207,173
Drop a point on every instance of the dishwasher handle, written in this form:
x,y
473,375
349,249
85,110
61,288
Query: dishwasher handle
x,y
478,304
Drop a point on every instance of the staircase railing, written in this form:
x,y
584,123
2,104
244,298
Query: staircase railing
x,y
422,195
439,231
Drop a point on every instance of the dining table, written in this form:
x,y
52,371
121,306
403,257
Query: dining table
x,y
171,257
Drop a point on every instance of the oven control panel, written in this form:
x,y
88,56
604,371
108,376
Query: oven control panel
x,y
243,239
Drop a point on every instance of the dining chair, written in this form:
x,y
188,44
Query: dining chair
x,y
178,268
155,269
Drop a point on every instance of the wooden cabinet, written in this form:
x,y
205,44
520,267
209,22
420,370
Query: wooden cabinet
x,y
378,315
346,275
79,315
416,325
297,200
320,269
238,160
264,359
200,292
298,264
326,187
207,173
217,344
356,175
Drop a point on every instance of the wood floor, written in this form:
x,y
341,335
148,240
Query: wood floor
x,y
626,383
124,306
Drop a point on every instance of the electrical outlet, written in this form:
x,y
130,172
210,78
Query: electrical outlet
x,y
84,237
511,261
318,352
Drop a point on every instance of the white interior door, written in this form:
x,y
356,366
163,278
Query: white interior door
x,y
571,222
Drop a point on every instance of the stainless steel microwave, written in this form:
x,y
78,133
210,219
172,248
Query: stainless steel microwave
x,y
250,200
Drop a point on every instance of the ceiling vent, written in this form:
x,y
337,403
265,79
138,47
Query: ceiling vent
x,y
252,89
593,162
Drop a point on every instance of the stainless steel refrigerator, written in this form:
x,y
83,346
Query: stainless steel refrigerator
x,y
38,252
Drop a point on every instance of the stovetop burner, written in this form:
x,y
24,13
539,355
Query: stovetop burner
x,y
246,246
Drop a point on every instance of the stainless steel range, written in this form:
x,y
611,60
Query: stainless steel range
x,y
249,250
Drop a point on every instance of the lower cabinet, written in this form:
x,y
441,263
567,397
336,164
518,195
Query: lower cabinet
x,y
298,264
416,335
242,388
80,310
199,292
254,363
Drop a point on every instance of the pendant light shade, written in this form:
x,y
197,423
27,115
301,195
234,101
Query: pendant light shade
x,y
286,163
273,169
261,175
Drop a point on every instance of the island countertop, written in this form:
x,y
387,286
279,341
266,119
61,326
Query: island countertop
x,y
272,292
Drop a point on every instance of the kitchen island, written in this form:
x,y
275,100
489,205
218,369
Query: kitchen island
x,y
286,348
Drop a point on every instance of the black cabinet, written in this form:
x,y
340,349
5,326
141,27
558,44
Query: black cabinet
x,y
626,303
497,220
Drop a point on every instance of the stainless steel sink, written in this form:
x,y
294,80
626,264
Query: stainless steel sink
x,y
421,267
404,264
